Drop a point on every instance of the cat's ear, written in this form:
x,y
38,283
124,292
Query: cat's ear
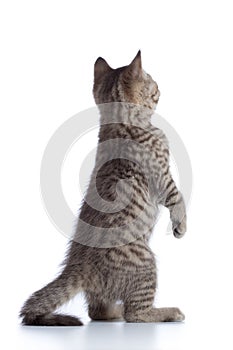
x,y
101,67
134,69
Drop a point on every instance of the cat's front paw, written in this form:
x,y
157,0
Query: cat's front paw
x,y
180,229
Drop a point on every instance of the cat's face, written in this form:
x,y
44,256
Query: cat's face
x,y
126,84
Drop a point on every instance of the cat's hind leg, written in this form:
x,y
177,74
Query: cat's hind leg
x,y
99,311
138,304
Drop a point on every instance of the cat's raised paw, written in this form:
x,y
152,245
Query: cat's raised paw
x,y
180,230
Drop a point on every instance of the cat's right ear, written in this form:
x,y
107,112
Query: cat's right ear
x,y
101,67
134,69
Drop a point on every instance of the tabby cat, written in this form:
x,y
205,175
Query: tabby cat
x,y
109,258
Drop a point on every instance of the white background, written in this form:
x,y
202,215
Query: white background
x,y
48,49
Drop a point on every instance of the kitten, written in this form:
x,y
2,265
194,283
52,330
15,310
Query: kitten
x,y
109,258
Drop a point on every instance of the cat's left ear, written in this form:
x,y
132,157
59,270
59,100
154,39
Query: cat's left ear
x,y
134,69
101,67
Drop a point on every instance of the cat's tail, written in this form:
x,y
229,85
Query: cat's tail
x,y
38,309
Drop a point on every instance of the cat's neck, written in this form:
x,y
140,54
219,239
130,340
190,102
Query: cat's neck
x,y
125,113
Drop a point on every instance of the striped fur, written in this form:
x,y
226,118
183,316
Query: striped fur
x,y
109,258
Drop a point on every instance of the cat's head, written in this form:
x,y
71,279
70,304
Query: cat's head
x,y
129,84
